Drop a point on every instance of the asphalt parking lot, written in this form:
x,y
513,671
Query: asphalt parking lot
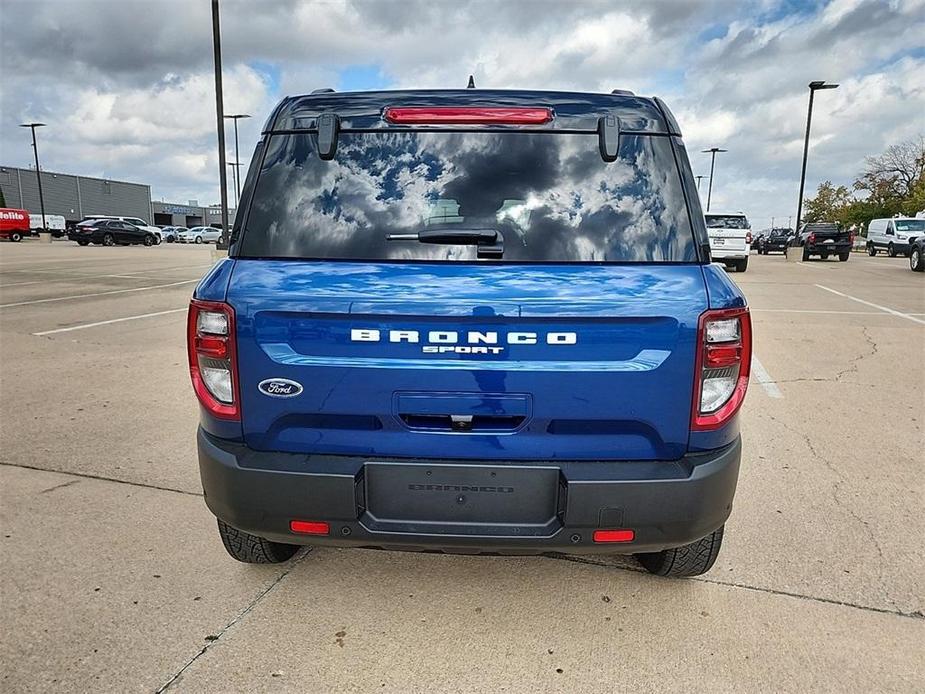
x,y
113,577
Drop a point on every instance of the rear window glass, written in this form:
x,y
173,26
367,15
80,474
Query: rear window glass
x,y
550,197
726,221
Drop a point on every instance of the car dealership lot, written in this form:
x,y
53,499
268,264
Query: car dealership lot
x,y
113,576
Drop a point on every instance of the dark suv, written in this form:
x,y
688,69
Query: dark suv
x,y
474,321
774,240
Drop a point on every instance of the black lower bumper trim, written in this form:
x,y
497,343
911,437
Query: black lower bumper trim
x,y
469,506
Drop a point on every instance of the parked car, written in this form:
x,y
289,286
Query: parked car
x,y
730,239
773,240
171,234
895,235
199,235
111,232
475,362
134,221
822,239
917,255
14,223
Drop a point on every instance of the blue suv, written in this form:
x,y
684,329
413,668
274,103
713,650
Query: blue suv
x,y
471,321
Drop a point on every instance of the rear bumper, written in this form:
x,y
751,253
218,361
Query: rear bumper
x,y
729,253
829,248
546,506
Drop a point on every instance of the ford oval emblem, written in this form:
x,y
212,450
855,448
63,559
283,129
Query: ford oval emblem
x,y
280,388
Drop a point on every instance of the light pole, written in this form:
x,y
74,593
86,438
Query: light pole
x,y
712,151
237,162
38,170
813,86
220,124
699,179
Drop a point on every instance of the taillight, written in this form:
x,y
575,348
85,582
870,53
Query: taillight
x,y
213,362
811,238
724,355
457,115
748,238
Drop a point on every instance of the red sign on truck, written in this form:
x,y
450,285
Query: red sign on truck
x,y
14,224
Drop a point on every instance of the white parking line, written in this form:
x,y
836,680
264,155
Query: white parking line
x,y
764,378
801,310
85,296
109,322
891,311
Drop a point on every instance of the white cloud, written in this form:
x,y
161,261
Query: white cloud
x,y
126,88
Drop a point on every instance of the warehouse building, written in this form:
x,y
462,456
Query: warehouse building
x,y
77,197
74,197
190,215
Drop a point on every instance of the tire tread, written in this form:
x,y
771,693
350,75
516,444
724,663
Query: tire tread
x,y
251,549
688,560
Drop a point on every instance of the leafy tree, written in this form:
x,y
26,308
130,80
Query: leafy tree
x,y
827,204
891,183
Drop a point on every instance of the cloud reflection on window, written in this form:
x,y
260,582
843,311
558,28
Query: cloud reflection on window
x,y
551,196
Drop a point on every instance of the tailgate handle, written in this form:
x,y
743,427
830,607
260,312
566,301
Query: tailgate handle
x,y
468,412
478,423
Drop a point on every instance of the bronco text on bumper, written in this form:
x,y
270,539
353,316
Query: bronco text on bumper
x,y
475,321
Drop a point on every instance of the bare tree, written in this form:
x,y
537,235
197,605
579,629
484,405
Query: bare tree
x,y
894,173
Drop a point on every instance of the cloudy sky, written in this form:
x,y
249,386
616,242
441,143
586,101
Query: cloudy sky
x,y
126,86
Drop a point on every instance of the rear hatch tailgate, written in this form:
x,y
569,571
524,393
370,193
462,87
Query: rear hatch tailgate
x,y
467,361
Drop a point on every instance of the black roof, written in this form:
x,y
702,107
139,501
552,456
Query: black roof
x,y
574,111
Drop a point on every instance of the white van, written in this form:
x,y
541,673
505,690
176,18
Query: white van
x,y
136,221
53,222
895,235
730,238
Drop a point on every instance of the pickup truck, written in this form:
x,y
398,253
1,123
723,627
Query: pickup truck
x,y
474,321
824,239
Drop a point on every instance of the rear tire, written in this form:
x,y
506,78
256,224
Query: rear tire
x,y
890,251
843,257
690,560
742,265
251,549
916,262
83,242
108,240
16,237
805,254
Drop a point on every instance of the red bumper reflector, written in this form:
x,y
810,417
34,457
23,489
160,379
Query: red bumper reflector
x,y
613,535
458,115
309,527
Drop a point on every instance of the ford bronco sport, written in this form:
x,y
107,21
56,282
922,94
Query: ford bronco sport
x,y
470,321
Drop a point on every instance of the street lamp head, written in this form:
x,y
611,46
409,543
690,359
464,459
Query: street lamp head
x,y
31,125
238,115
714,149
820,84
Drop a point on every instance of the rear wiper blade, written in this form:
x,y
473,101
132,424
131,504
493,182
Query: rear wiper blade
x,y
490,242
